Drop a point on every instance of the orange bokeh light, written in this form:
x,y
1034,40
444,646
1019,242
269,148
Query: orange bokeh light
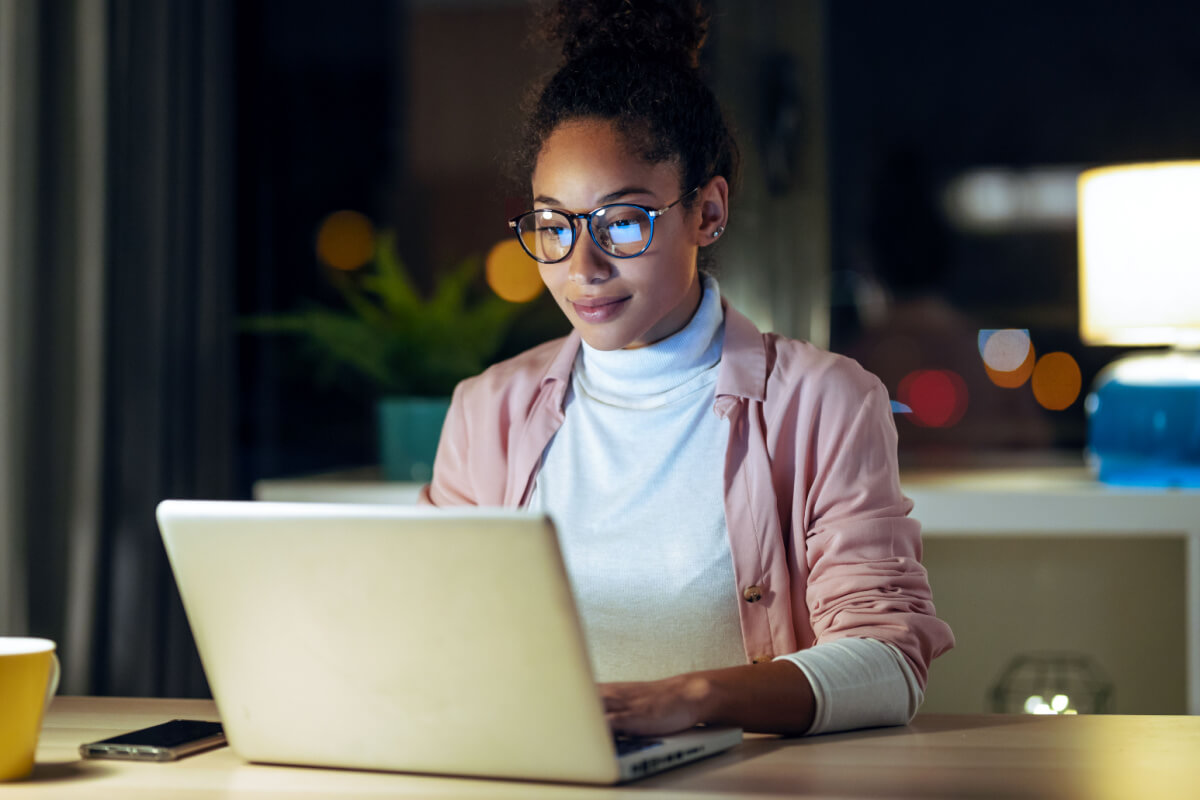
x,y
512,274
346,240
1057,381
938,397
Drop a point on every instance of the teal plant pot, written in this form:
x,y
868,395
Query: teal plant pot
x,y
409,429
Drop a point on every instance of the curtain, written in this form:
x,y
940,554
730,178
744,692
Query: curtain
x,y
18,88
118,383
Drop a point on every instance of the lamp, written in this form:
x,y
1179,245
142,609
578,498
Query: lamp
x,y
1139,284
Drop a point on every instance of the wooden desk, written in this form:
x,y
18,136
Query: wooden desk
x,y
937,756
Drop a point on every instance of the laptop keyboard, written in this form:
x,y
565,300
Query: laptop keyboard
x,y
634,744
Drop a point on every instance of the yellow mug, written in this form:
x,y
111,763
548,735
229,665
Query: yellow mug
x,y
29,672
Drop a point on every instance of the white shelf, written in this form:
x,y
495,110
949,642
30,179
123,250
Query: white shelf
x,y
1060,500
1063,501
364,485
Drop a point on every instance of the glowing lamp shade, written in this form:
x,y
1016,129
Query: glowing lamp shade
x,y
1139,284
1139,254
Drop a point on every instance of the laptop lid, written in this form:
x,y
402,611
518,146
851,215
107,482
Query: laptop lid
x,y
401,638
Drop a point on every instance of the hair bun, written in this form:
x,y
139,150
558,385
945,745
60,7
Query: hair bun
x,y
666,30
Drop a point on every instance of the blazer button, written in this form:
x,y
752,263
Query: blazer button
x,y
752,594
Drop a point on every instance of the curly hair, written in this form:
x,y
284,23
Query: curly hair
x,y
634,63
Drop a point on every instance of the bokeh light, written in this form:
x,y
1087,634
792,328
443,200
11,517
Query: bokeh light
x,y
938,397
346,240
1008,356
1057,380
1004,350
1059,704
512,274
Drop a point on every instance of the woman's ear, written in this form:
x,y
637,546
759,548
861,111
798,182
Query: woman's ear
x,y
713,202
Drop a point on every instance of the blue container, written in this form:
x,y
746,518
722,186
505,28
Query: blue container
x,y
1144,421
409,429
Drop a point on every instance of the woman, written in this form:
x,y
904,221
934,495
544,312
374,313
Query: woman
x,y
727,501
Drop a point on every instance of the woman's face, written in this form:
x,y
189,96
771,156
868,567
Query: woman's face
x,y
623,302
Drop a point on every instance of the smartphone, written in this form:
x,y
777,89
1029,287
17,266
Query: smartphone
x,y
165,742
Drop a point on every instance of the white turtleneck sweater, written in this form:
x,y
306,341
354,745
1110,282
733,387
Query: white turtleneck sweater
x,y
634,481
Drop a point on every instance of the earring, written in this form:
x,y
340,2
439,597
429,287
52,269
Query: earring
x,y
718,231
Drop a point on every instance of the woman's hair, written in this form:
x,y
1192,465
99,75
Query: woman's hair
x,y
635,63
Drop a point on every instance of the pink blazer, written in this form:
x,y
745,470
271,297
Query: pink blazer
x,y
822,544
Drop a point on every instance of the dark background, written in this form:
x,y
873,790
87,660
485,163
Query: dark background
x,y
950,87
375,105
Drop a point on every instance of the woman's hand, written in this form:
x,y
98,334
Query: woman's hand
x,y
766,698
654,708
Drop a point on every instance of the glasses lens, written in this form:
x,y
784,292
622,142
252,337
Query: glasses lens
x,y
622,230
546,235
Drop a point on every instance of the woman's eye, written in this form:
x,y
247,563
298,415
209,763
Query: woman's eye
x,y
556,232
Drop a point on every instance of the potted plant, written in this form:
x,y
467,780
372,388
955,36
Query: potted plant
x,y
412,349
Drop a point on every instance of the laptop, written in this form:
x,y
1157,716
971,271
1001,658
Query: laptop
x,y
401,638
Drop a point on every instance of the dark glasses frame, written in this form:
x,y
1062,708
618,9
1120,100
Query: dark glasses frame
x,y
652,213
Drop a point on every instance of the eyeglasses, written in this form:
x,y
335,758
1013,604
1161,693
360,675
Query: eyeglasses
x,y
622,230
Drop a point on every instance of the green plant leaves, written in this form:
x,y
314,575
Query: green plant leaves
x,y
401,342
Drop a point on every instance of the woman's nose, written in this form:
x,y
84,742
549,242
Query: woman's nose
x,y
588,263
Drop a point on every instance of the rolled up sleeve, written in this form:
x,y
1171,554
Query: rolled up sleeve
x,y
863,551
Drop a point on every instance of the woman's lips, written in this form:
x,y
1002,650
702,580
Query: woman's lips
x,y
600,310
